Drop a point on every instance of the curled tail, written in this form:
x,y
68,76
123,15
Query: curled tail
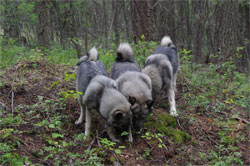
x,y
125,53
166,41
92,55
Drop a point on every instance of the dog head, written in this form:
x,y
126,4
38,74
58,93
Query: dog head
x,y
121,119
140,111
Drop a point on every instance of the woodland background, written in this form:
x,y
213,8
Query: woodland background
x,y
41,42
214,30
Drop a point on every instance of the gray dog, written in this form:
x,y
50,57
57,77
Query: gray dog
x,y
101,93
92,55
124,61
136,86
162,67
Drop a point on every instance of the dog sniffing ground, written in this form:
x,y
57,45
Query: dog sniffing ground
x,y
37,125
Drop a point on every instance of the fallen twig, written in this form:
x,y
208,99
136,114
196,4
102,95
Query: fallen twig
x,y
97,139
179,124
90,145
147,143
241,120
12,101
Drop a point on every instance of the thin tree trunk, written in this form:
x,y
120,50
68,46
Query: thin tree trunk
x,y
142,19
74,32
115,7
105,24
126,19
43,29
10,25
247,34
198,32
86,31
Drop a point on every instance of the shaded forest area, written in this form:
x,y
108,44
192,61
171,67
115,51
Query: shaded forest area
x,y
214,30
42,41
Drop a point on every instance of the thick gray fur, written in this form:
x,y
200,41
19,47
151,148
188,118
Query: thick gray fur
x,y
92,55
124,61
137,86
162,67
85,72
103,96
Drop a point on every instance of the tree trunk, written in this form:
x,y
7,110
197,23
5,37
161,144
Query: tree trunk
x,y
43,29
115,7
142,19
125,11
247,34
10,25
105,24
198,32
74,35
86,31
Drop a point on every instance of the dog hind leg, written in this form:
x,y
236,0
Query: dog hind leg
x,y
88,121
171,99
130,137
174,81
80,119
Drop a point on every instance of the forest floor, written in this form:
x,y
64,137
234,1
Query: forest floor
x,y
39,110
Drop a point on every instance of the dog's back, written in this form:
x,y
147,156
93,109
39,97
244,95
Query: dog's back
x,y
135,84
159,69
86,71
124,61
168,48
103,96
162,67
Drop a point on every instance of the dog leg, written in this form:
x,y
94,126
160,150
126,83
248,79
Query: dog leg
x,y
171,99
80,119
88,121
130,137
174,82
111,134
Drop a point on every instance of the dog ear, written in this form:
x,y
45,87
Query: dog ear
x,y
118,56
150,103
118,116
131,100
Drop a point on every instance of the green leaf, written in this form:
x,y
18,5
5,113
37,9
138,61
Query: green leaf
x,y
51,126
56,135
124,133
160,145
118,151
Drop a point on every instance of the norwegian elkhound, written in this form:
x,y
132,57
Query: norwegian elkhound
x,y
136,86
162,67
101,93
124,61
92,55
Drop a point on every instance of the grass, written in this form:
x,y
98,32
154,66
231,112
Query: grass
x,y
213,104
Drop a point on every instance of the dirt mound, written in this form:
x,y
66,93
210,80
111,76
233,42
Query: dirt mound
x,y
39,115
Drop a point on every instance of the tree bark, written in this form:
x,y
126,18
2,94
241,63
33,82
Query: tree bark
x,y
10,25
142,19
115,7
198,32
43,29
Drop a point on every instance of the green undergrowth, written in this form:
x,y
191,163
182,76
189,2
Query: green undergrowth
x,y
45,101
167,125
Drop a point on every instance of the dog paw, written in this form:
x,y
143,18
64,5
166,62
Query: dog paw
x,y
173,113
86,133
78,122
116,140
130,139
